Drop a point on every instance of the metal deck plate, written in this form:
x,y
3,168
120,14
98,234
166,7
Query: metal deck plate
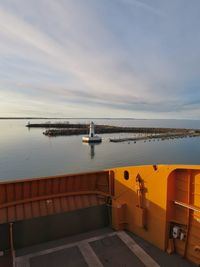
x,y
109,249
113,252
62,258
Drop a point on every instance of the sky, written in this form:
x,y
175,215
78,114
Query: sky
x,y
100,58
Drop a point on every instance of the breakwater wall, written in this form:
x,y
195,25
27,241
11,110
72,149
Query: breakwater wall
x,y
61,129
162,137
108,129
57,125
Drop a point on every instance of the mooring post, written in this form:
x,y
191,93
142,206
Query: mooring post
x,y
12,245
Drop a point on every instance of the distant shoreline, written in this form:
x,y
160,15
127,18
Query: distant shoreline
x,y
31,118
63,118
87,118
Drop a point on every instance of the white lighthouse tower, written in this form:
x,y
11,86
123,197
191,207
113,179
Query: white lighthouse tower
x,y
91,133
92,138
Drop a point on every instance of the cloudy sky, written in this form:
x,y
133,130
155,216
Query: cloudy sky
x,y
100,58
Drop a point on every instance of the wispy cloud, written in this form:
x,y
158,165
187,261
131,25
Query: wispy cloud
x,y
93,57
150,6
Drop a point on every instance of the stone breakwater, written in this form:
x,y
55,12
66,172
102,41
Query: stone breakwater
x,y
160,136
62,129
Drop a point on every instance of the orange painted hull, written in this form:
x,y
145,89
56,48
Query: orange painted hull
x,y
151,201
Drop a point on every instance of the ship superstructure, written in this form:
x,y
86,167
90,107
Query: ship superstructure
x,y
136,216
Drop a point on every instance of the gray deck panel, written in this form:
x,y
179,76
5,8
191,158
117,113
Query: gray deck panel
x,y
112,252
70,257
63,241
161,257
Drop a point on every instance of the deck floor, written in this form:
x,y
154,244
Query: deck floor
x,y
101,248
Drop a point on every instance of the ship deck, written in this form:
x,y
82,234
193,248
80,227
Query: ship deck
x,y
100,248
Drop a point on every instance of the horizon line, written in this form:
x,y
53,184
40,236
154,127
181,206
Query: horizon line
x,y
96,118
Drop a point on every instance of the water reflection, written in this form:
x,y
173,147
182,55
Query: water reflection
x,y
92,148
92,151
31,154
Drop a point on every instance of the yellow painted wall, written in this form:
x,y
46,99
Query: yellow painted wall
x,y
155,199
162,185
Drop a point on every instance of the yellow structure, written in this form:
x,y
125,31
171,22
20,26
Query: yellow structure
x,y
160,203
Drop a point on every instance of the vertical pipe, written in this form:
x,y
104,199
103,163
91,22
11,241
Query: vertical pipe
x,y
12,245
111,183
188,212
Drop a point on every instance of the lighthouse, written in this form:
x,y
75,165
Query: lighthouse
x,y
91,133
92,138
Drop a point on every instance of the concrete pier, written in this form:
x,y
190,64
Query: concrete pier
x,y
168,136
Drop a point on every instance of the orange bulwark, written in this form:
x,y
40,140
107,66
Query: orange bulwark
x,y
155,200
160,203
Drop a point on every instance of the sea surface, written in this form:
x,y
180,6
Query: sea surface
x,y
28,153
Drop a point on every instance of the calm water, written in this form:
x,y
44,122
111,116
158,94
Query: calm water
x,y
28,153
